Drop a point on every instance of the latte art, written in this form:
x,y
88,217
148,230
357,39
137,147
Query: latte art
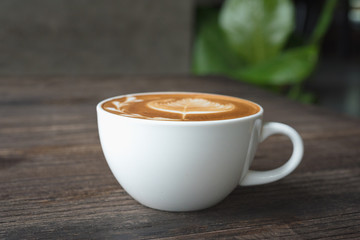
x,y
189,106
180,107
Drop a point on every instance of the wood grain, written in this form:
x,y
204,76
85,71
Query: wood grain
x,y
55,183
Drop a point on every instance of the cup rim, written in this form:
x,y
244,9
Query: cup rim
x,y
255,115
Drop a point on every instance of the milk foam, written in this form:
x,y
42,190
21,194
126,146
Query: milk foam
x,y
187,106
120,108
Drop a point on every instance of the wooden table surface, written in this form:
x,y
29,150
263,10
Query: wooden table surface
x,y
55,182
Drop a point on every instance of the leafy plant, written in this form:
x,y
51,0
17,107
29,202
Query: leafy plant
x,y
246,41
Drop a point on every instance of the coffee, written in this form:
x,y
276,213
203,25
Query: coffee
x,y
186,166
181,107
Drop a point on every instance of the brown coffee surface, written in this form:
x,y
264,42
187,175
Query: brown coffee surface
x,y
181,107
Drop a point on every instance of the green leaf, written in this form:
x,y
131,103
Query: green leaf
x,y
323,22
289,67
211,52
257,29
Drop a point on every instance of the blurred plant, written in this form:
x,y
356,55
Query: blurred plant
x,y
248,40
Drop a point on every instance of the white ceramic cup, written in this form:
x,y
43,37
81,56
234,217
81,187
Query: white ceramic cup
x,y
186,166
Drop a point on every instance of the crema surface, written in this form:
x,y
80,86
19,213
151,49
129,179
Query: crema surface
x,y
181,107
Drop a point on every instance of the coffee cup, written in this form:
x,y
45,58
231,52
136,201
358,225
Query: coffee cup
x,y
184,151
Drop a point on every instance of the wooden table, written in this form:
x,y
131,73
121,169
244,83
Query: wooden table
x,y
55,183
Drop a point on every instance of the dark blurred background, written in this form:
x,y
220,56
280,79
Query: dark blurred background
x,y
133,37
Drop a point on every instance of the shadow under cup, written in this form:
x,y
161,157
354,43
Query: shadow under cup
x,y
186,165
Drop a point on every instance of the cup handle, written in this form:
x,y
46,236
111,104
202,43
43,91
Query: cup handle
x,y
262,177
